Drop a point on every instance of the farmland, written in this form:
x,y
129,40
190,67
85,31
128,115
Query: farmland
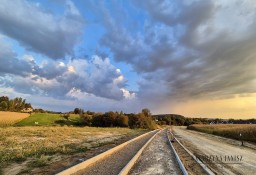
x,y
10,118
233,131
29,142
38,146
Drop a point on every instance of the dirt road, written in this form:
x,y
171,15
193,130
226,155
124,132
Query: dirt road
x,y
157,158
220,155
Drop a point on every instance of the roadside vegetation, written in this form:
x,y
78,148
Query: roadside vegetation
x,y
245,132
38,145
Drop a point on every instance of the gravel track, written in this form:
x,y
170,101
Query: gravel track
x,y
192,167
157,158
114,163
206,144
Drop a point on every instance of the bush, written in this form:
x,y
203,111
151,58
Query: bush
x,y
122,121
86,119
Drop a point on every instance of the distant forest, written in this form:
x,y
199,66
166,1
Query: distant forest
x,y
174,119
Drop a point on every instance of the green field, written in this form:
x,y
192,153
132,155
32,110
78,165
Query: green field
x,y
233,131
46,119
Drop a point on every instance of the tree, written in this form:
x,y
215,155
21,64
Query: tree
x,y
77,111
4,98
86,119
27,105
3,105
122,120
109,119
146,112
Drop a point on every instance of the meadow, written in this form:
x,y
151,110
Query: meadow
x,y
10,118
245,132
48,119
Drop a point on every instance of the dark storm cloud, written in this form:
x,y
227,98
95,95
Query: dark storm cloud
x,y
187,49
39,30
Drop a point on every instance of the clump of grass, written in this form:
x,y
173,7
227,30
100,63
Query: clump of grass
x,y
25,171
39,162
233,131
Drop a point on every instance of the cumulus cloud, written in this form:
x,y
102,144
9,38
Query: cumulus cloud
x,y
39,30
96,76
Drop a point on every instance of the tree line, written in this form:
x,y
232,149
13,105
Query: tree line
x,y
142,119
16,105
179,120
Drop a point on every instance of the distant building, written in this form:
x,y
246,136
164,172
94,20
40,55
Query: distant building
x,y
27,110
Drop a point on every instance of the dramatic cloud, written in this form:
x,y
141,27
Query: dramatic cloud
x,y
39,30
182,52
187,50
55,79
9,62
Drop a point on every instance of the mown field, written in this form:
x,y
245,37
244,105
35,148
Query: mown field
x,y
233,131
10,118
37,140
38,145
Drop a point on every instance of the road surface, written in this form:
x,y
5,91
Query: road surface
x,y
209,148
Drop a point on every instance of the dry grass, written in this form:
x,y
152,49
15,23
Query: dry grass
x,y
247,131
10,118
19,143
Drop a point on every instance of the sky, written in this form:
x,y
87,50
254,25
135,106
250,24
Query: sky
x,y
196,58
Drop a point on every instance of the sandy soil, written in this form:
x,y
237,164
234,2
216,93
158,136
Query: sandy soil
x,y
157,158
202,144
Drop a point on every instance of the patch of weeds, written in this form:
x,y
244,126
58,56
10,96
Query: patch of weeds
x,y
83,149
20,159
25,171
39,162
